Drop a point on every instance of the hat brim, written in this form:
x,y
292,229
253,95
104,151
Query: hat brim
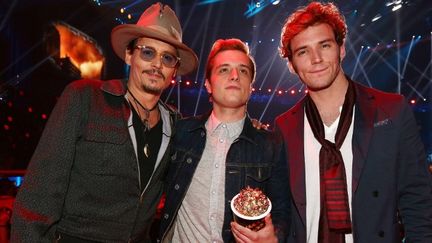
x,y
122,35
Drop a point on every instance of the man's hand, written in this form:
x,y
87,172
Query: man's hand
x,y
258,125
245,235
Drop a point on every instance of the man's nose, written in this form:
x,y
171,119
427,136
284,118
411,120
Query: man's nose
x,y
316,56
156,62
234,74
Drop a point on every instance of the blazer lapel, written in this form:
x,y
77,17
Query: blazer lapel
x,y
291,125
365,115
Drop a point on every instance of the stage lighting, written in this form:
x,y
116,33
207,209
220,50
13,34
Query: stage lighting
x,y
397,7
73,51
394,2
378,16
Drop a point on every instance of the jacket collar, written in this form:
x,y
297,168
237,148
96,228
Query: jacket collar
x,y
248,132
115,87
365,115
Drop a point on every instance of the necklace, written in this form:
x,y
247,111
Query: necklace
x,y
146,111
143,120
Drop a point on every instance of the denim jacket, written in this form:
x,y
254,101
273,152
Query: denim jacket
x,y
256,158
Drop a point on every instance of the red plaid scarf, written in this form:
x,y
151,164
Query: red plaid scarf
x,y
335,219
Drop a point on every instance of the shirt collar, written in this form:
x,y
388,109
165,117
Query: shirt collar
x,y
233,128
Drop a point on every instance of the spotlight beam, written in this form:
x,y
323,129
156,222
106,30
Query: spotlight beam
x,y
273,93
204,2
111,2
268,70
398,53
377,62
356,63
169,93
407,57
178,79
205,23
6,17
16,80
423,76
369,56
361,67
20,58
365,75
132,4
189,17
380,57
415,90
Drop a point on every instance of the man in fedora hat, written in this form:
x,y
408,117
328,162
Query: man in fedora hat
x,y
96,175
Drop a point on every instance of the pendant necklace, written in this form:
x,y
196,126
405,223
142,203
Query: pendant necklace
x,y
144,120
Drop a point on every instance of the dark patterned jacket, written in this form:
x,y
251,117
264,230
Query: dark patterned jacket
x,y
83,179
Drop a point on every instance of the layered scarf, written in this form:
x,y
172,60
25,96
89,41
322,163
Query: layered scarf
x,y
335,220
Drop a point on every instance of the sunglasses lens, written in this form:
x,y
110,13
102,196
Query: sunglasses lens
x,y
147,53
169,60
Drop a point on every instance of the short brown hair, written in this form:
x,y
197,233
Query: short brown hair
x,y
312,14
225,45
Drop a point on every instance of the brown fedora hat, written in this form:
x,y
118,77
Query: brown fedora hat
x,y
161,23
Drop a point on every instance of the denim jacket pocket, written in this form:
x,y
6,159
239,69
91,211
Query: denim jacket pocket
x,y
180,160
259,173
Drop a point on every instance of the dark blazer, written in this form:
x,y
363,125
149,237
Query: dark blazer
x,y
389,170
83,179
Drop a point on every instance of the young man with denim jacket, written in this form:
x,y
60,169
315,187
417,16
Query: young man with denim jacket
x,y
216,155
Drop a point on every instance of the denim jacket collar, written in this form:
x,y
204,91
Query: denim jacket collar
x,y
248,132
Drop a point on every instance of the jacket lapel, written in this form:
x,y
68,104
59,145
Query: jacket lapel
x,y
365,115
292,128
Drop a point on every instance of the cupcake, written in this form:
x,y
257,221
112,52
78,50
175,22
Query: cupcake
x,y
250,207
